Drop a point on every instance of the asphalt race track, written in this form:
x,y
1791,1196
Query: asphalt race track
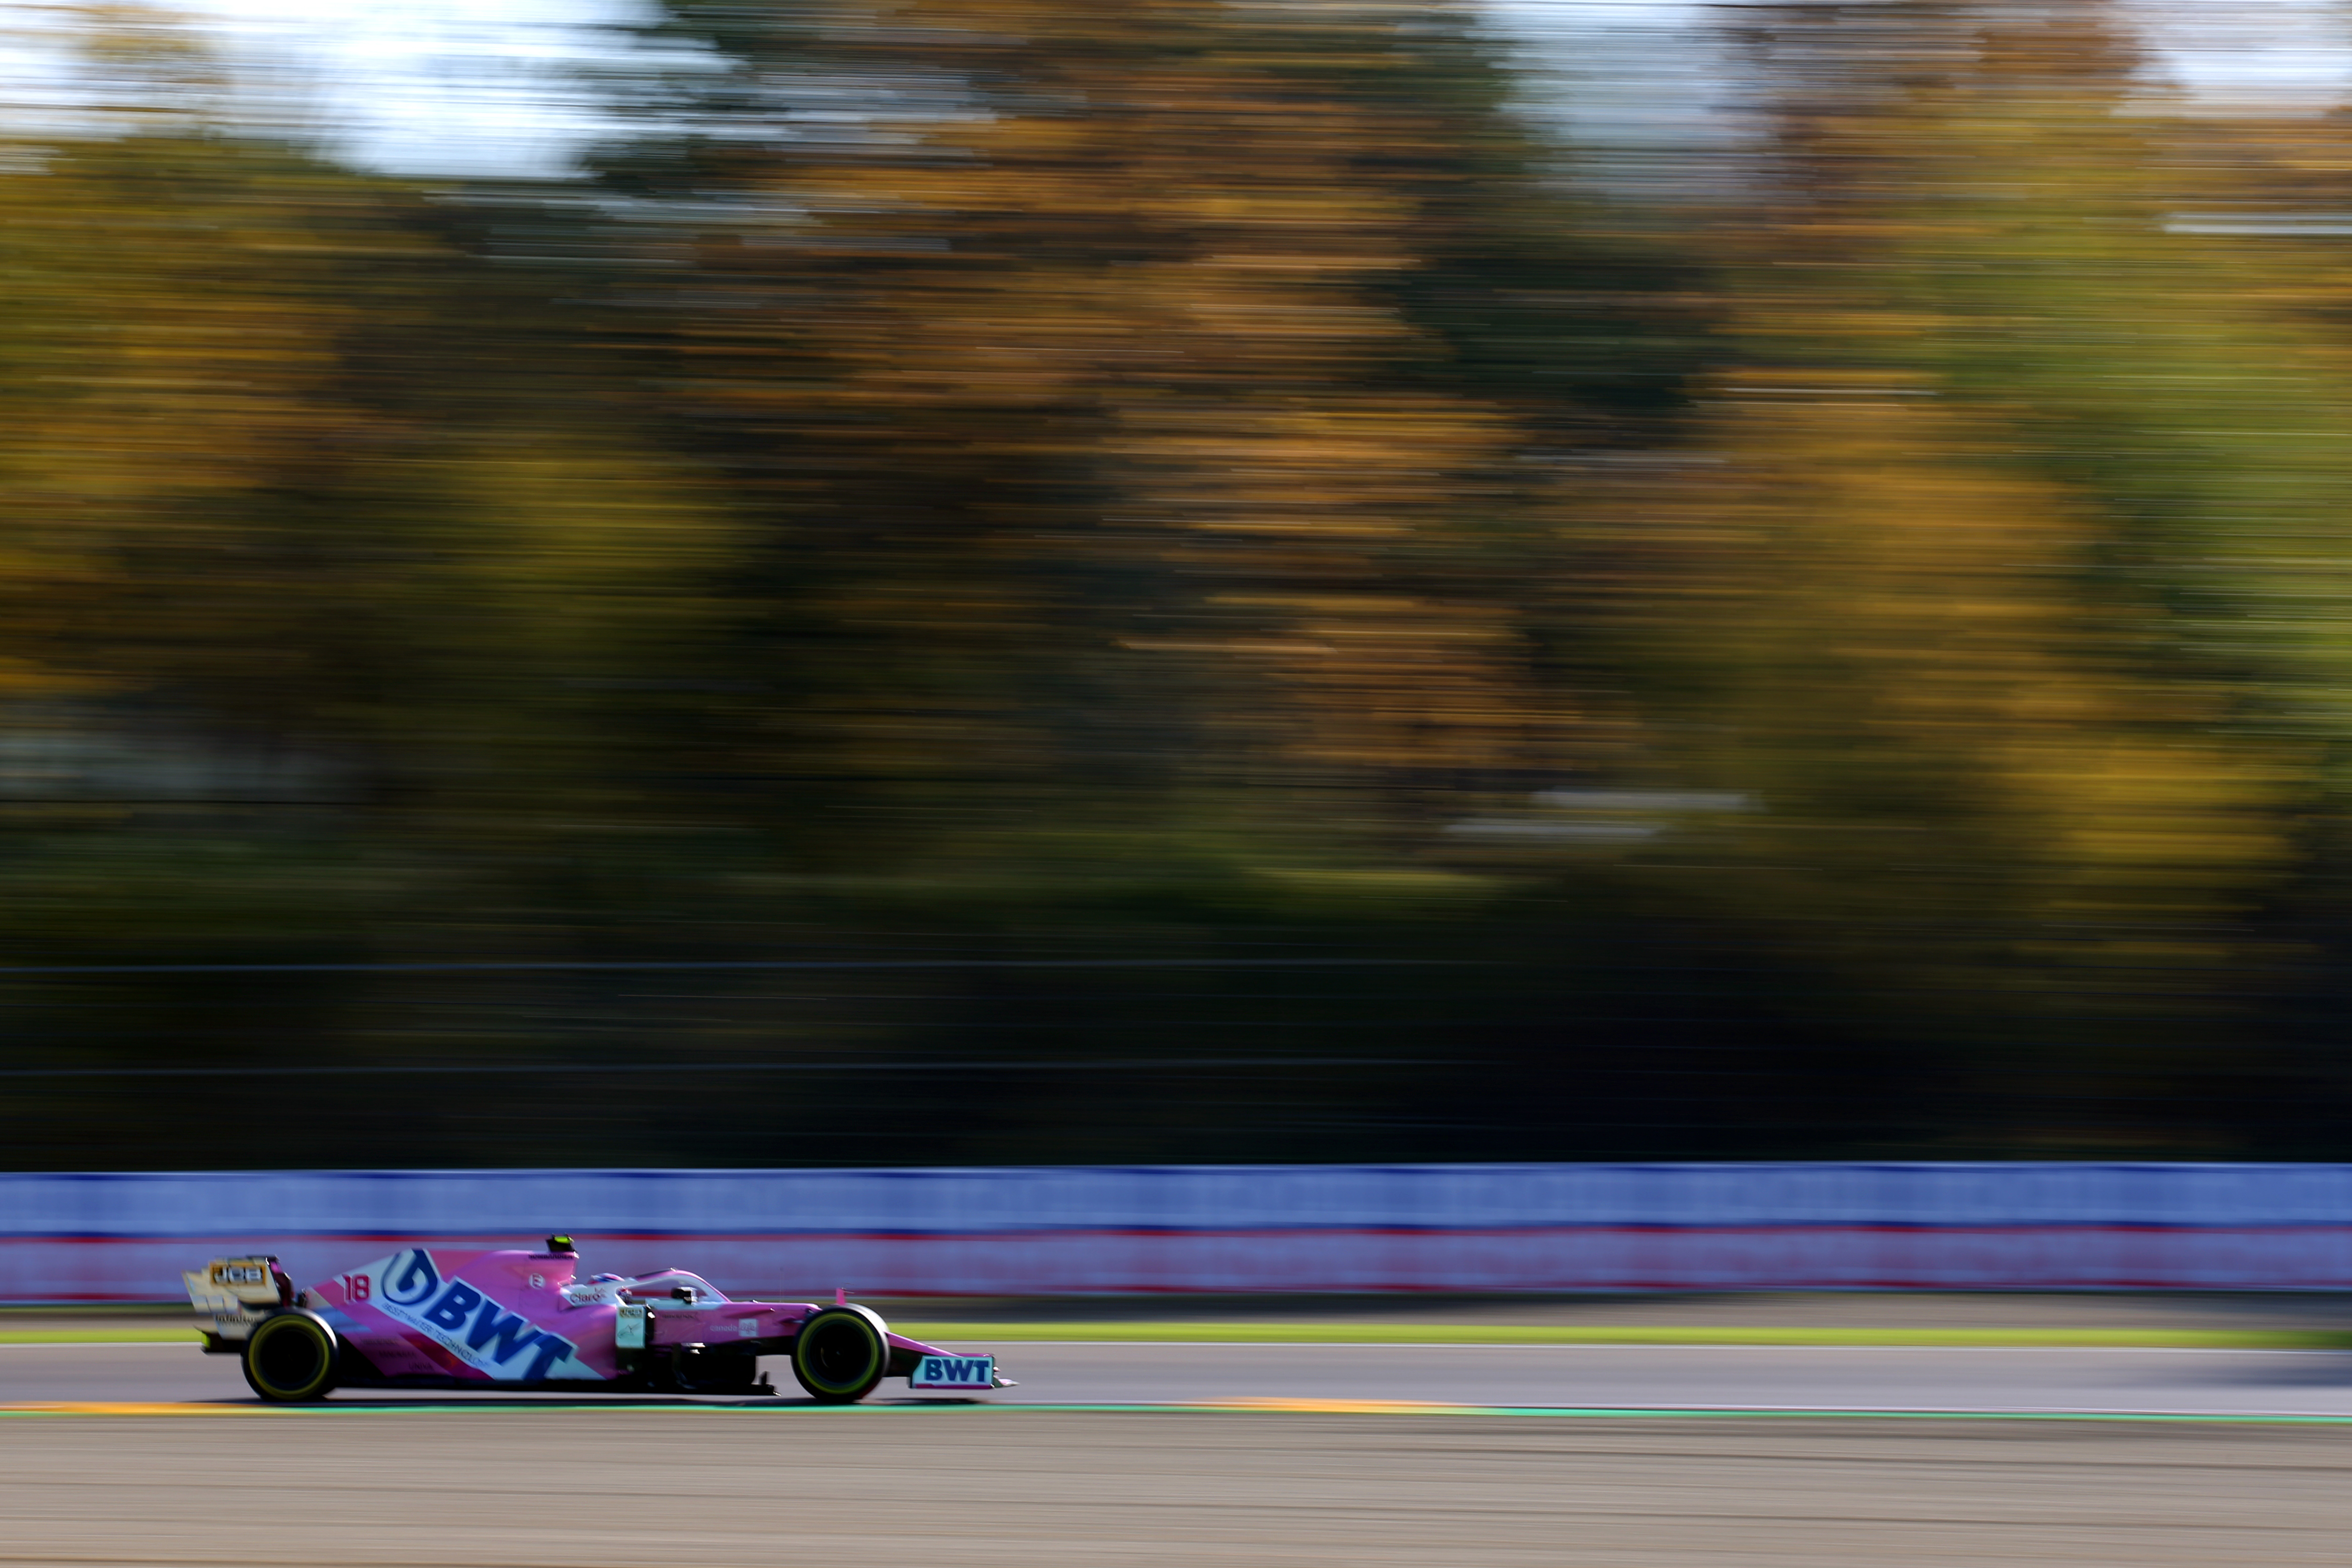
x,y
1233,1455
1555,1377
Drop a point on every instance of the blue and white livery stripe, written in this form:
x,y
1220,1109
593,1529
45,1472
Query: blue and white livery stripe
x,y
468,1323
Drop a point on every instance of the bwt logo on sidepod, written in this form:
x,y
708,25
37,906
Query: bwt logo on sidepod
x,y
460,1318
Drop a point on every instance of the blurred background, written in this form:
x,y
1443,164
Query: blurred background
x,y
830,582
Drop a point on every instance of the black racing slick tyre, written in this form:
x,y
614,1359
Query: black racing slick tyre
x,y
841,1353
292,1357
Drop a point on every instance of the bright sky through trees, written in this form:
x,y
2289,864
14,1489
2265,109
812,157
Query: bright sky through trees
x,y
491,87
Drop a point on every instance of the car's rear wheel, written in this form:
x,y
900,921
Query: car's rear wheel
x,y
291,1357
841,1353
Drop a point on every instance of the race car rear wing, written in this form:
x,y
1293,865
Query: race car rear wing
x,y
237,1292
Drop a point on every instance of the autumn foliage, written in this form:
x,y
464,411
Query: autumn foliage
x,y
1217,589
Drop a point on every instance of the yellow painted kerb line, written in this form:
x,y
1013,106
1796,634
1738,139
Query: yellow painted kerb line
x,y
134,1407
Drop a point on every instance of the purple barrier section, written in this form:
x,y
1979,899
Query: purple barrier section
x,y
1130,1229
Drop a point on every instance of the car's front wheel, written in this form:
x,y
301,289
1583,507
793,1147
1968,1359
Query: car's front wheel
x,y
291,1357
841,1353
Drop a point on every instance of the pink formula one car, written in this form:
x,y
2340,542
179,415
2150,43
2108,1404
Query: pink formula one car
x,y
436,1317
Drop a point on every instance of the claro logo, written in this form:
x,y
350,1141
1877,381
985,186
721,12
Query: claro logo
x,y
460,1318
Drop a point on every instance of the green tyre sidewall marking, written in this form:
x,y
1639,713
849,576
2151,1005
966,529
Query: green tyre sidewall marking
x,y
827,1330
269,1344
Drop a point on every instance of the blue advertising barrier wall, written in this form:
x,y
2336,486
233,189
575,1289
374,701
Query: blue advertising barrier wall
x,y
1123,1229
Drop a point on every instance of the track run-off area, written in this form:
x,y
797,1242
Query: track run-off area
x,y
2073,1430
1226,1454
1979,1380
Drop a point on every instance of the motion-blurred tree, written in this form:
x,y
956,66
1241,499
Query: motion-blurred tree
x,y
2005,474
1137,399
1857,670
1008,460
245,492
329,630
